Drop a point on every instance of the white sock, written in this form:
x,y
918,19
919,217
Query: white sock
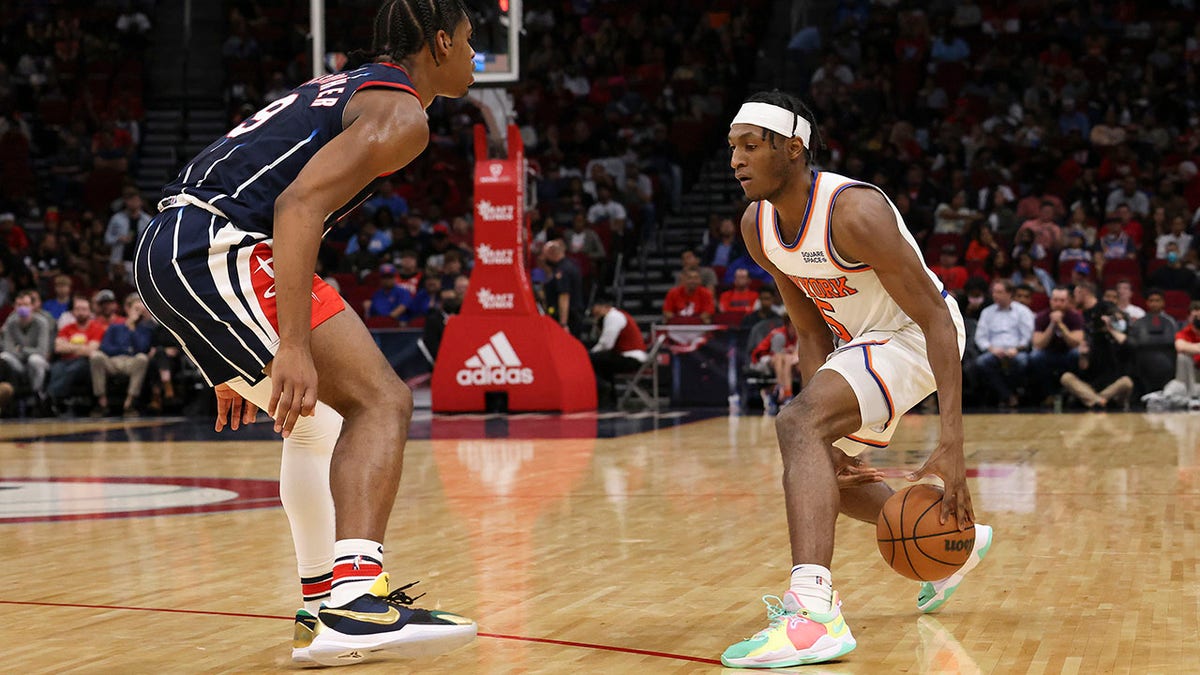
x,y
304,491
307,501
813,584
356,563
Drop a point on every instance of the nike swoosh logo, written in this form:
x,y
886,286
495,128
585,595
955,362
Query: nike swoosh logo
x,y
387,618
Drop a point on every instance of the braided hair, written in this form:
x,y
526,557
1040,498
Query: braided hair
x,y
404,27
794,104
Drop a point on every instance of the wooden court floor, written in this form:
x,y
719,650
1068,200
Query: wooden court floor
x,y
644,553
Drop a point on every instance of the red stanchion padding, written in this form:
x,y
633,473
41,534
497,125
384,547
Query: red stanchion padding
x,y
532,359
500,342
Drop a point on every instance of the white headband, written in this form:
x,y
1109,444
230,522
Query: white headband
x,y
780,120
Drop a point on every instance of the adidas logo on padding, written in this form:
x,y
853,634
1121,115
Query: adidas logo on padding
x,y
494,363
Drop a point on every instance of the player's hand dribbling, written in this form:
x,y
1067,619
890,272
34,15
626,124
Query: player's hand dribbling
x,y
854,472
947,462
232,409
293,388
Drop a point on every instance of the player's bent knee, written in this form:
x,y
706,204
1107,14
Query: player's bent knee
x,y
812,416
402,401
388,396
799,421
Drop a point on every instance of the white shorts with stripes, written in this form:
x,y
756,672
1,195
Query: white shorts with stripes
x,y
890,374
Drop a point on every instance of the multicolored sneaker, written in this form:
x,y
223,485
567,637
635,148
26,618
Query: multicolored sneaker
x,y
796,636
381,623
303,632
934,594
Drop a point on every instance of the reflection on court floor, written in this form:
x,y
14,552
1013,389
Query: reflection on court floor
x,y
594,543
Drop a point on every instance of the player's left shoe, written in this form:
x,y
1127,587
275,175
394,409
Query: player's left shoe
x,y
381,622
935,594
303,631
795,636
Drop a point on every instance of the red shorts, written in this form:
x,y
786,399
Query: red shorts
x,y
213,287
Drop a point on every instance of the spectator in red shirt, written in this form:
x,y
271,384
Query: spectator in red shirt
x,y
741,297
689,299
776,354
13,235
408,274
952,274
75,344
983,244
1187,349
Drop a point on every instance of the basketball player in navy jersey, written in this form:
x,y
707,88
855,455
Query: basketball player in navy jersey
x,y
227,267
877,334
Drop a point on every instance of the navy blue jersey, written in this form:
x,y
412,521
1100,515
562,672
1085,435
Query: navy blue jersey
x,y
244,172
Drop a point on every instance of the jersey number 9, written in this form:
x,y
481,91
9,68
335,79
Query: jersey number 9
x,y
262,116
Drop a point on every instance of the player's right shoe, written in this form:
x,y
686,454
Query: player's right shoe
x,y
381,623
795,636
935,594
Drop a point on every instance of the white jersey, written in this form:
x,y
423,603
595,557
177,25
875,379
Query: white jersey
x,y
850,296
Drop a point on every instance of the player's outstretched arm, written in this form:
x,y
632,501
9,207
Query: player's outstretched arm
x,y
384,130
865,230
814,341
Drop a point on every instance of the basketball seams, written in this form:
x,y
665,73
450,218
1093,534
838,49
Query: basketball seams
x,y
917,545
921,517
887,523
886,535
923,536
904,545
954,565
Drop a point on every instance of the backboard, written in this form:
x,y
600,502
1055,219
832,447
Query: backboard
x,y
497,26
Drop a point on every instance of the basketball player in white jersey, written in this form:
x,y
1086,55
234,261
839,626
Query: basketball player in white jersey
x,y
877,334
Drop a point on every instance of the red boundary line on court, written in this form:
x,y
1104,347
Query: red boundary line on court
x,y
496,636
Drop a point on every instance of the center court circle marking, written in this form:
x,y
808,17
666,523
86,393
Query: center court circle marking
x,y
24,500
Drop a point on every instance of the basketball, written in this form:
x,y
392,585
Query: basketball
x,y
912,540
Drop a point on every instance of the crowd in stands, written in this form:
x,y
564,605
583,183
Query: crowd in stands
x,y
611,100
71,92
1044,156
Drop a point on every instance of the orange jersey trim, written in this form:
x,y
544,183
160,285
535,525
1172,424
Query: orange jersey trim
x,y
829,234
808,211
873,444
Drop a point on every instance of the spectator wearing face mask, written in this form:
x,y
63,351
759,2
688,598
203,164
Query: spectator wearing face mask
x,y
1173,276
24,339
975,298
449,302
